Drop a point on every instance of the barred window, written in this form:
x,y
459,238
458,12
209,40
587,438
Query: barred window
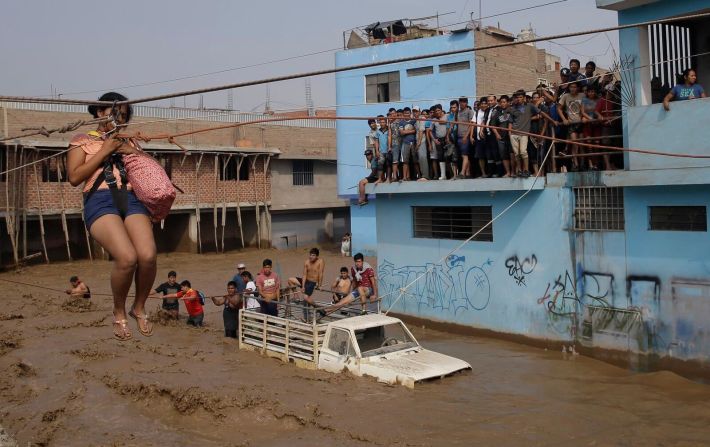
x,y
420,71
598,209
452,222
454,66
678,218
229,172
382,87
302,172
53,169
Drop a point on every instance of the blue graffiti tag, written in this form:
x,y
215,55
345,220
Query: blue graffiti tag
x,y
447,286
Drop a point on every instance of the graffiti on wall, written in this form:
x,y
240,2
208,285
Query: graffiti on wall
x,y
519,268
449,286
561,302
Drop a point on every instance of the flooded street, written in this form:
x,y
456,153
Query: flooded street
x,y
66,381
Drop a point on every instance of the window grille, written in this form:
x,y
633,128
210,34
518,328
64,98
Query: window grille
x,y
454,66
452,222
669,49
598,209
302,172
420,71
382,87
230,171
678,218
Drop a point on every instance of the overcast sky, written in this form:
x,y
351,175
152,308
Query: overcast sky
x,y
82,45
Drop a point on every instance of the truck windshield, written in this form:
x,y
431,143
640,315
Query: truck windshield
x,y
383,339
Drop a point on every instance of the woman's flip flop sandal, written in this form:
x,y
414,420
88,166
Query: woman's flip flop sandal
x,y
147,332
125,333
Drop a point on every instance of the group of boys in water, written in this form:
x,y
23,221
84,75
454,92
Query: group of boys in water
x,y
262,295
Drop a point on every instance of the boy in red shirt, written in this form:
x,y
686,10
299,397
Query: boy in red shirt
x,y
192,303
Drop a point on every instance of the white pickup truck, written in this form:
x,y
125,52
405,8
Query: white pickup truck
x,y
373,344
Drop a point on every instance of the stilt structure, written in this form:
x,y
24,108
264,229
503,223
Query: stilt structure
x,y
256,205
239,209
65,228
214,203
197,202
41,214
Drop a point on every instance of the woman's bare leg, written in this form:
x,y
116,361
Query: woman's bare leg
x,y
140,232
110,233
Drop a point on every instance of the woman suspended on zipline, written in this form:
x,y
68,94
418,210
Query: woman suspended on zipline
x,y
116,219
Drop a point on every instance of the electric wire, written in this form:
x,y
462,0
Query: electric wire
x,y
353,67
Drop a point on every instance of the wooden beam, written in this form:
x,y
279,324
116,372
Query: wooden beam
x,y
41,217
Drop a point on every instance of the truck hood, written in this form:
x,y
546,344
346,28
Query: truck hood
x,y
411,366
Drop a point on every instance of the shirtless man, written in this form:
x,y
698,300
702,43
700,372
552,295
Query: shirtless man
x,y
268,285
342,285
313,269
232,301
364,286
78,288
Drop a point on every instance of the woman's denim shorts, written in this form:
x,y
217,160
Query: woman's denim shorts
x,y
101,203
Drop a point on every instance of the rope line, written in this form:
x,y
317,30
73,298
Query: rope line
x,y
354,67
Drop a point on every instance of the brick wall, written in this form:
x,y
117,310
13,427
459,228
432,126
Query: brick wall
x,y
507,69
204,186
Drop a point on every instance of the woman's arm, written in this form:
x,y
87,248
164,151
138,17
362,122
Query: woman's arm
x,y
667,101
78,169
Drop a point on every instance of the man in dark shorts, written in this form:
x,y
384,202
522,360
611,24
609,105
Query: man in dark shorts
x,y
312,278
372,178
170,307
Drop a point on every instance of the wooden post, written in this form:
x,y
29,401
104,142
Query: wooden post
x,y
214,206
197,202
267,160
9,223
21,210
41,217
224,199
239,209
64,213
256,205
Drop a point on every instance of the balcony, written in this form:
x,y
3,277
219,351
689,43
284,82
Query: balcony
x,y
683,130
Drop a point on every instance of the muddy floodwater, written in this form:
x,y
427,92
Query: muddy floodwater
x,y
64,381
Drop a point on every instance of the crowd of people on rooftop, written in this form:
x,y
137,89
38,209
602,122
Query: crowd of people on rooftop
x,y
507,136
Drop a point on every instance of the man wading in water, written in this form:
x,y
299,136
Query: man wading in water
x,y
312,278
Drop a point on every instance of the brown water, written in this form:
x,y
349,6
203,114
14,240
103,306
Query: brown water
x,y
64,380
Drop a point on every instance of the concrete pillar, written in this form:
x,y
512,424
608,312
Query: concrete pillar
x,y
265,227
192,229
329,225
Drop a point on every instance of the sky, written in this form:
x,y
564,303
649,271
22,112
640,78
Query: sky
x,y
82,48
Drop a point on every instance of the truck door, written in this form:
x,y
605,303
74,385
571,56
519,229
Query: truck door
x,y
336,352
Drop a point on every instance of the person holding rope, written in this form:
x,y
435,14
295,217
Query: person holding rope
x,y
78,288
191,298
116,219
232,301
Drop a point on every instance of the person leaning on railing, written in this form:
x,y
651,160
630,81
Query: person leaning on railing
x,y
690,89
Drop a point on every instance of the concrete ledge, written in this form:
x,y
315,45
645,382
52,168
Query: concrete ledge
x,y
472,185
647,177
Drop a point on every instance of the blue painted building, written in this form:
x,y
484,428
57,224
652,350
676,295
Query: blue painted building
x,y
372,91
615,261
